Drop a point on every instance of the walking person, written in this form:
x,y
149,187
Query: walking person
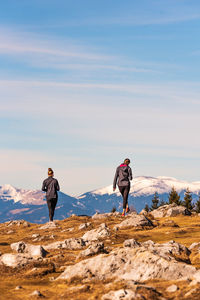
x,y
122,178
51,186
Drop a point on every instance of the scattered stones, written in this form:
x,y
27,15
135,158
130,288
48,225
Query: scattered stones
x,y
172,288
31,250
135,220
95,234
137,264
84,226
94,248
125,294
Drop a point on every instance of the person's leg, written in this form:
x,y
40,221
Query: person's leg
x,y
53,205
122,189
125,202
49,203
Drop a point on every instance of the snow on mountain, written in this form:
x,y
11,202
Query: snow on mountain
x,y
146,185
8,192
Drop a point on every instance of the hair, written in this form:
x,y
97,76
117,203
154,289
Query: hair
x,y
127,161
50,172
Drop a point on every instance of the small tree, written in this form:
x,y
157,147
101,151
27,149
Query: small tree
x,y
197,206
113,209
147,208
174,197
155,201
187,201
162,202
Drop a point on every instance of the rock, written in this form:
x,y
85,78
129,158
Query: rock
x,y
49,225
10,232
70,229
138,264
31,250
71,244
170,210
172,288
14,260
125,294
101,232
195,246
18,223
84,226
132,243
94,248
36,293
98,216
135,220
188,294
19,287
35,235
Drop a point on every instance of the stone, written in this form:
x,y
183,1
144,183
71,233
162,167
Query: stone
x,y
84,226
31,250
14,260
10,232
71,244
172,288
132,243
98,216
135,220
188,294
36,293
94,248
95,234
170,210
138,264
19,287
195,246
125,294
49,225
35,235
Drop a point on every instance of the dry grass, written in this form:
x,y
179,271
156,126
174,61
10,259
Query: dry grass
x,y
40,275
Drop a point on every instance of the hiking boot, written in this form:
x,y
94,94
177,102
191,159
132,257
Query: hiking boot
x,y
127,209
123,214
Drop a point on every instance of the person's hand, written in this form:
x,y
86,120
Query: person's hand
x,y
114,189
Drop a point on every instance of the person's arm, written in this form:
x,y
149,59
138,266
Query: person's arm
x,y
57,187
130,176
115,179
44,188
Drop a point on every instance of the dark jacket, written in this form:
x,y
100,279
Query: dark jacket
x,y
51,186
123,176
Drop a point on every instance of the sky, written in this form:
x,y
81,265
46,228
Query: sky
x,y
86,84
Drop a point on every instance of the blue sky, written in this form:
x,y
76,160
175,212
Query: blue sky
x,y
84,84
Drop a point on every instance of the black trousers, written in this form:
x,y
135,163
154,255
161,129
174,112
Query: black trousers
x,y
124,190
51,206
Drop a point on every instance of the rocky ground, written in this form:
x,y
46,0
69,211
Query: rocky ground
x,y
151,256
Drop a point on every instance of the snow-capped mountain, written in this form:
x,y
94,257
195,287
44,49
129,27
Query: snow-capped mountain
x,y
141,192
31,205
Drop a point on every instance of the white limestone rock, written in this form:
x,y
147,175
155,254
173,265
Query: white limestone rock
x,y
172,288
135,220
94,248
15,260
31,250
95,234
171,210
125,294
71,244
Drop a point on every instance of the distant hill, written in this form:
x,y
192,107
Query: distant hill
x,y
30,205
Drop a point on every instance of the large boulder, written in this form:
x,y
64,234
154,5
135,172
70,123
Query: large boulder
x,y
95,234
70,244
171,210
31,250
14,260
134,220
139,264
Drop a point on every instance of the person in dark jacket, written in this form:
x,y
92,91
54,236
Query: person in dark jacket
x,y
122,178
51,186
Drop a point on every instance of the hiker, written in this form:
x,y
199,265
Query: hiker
x,y
122,178
51,186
